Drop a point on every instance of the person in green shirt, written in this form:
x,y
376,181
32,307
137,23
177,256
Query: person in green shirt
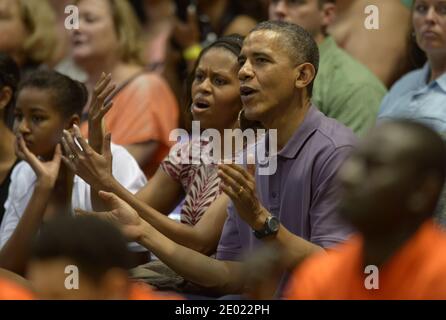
x,y
407,3
344,89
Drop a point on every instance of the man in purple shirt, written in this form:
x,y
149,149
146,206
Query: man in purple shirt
x,y
296,206
301,193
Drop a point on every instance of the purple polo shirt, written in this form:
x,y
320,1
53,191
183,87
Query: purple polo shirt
x,y
302,192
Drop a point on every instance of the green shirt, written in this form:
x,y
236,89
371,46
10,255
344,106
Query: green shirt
x,y
345,89
407,3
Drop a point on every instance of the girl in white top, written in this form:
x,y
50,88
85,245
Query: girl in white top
x,y
41,186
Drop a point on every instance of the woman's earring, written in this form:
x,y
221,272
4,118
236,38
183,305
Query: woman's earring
x,y
240,119
240,115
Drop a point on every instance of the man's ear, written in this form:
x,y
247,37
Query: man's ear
x,y
426,196
328,14
74,120
5,97
305,73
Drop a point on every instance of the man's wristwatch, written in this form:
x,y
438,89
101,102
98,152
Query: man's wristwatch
x,y
270,227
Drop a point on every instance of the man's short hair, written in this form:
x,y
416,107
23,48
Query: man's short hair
x,y
93,245
429,149
300,44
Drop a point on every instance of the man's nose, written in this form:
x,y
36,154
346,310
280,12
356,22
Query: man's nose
x,y
245,72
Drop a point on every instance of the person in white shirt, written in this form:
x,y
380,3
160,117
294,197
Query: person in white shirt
x,y
42,187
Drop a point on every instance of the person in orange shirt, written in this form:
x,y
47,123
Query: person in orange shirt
x,y
84,258
14,287
391,185
145,109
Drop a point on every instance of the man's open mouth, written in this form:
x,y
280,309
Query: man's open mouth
x,y
246,91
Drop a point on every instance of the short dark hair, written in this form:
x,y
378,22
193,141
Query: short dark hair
x,y
9,77
95,246
70,96
426,153
429,149
301,45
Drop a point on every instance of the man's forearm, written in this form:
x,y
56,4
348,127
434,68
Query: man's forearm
x,y
296,249
219,276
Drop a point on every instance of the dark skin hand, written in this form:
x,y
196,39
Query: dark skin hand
x,y
240,186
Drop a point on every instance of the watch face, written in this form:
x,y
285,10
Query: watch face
x,y
273,224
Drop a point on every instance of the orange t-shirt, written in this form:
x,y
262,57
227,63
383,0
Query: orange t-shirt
x,y
142,291
145,109
12,291
416,271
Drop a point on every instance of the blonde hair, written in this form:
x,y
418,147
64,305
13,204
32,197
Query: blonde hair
x,y
128,31
40,20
